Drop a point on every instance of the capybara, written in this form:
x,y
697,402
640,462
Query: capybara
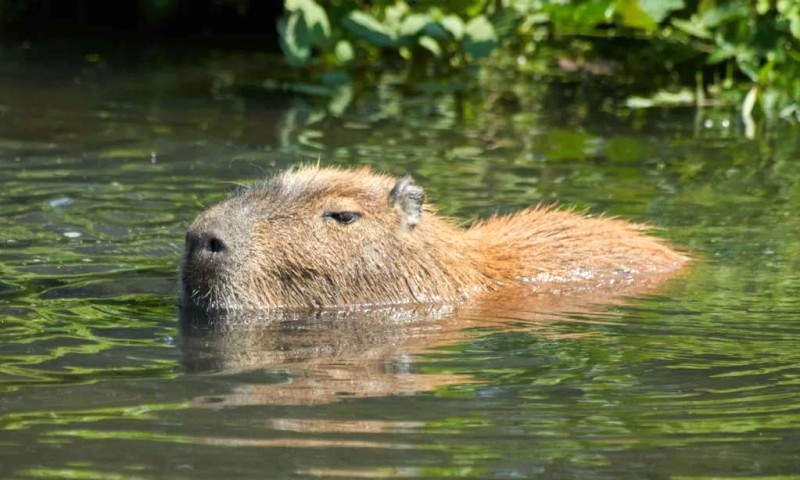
x,y
315,237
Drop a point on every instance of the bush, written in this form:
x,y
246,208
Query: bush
x,y
747,50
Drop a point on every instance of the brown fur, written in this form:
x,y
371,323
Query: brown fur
x,y
282,252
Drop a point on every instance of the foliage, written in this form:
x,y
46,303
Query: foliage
x,y
746,47
760,40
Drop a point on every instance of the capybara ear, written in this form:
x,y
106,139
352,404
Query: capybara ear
x,y
407,199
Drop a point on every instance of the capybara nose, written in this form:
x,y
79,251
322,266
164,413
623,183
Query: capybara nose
x,y
208,242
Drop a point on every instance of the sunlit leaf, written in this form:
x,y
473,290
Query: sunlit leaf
x,y
394,13
480,37
658,10
454,26
724,13
431,45
586,14
413,24
631,15
470,8
721,53
315,18
692,28
790,9
526,7
369,28
790,110
344,51
748,64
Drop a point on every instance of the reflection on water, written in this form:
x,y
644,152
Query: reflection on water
x,y
321,357
102,164
318,358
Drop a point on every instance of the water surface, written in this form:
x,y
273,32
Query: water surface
x,y
103,163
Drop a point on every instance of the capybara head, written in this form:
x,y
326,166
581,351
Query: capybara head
x,y
313,237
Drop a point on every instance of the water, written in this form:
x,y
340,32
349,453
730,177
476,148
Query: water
x,y
102,164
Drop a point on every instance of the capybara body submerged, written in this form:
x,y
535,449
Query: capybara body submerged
x,y
317,237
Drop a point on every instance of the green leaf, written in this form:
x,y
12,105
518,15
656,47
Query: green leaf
x,y
454,26
505,22
369,28
413,24
791,10
315,18
294,39
771,100
724,13
721,53
633,16
435,30
344,52
692,27
431,45
480,37
393,14
470,7
658,10
526,7
748,63
789,110
584,15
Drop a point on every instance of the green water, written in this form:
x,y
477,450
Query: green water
x,y
103,164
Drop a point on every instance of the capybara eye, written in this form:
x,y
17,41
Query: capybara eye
x,y
345,218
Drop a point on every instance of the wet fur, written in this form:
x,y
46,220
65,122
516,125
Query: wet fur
x,y
287,256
